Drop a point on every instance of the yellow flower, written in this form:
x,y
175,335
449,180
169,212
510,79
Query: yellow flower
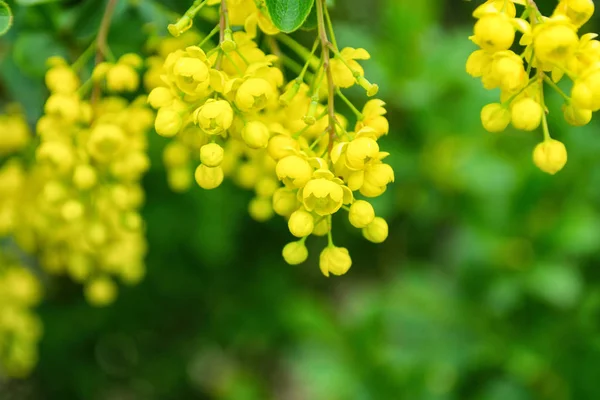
x,y
160,97
187,71
361,214
495,117
211,155
168,122
260,209
100,291
376,231
578,11
376,178
285,202
325,194
555,40
550,156
346,70
360,151
281,146
576,116
207,177
334,260
255,134
214,117
295,252
122,78
301,223
254,94
373,117
494,32
105,142
526,114
85,176
293,171
61,78
507,72
585,93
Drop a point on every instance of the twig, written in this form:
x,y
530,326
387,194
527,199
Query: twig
x,y
222,26
327,68
101,42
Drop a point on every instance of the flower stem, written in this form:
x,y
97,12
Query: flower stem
x,y
102,51
325,44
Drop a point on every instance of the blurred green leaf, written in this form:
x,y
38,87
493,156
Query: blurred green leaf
x,y
32,49
5,18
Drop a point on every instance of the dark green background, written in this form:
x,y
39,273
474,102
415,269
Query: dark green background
x,y
487,288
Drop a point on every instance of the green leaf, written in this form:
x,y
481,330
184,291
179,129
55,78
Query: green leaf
x,y
310,22
34,2
289,15
5,18
32,49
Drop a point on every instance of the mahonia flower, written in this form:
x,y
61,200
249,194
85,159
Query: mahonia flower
x,y
552,50
225,116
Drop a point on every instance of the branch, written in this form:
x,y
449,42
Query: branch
x,y
101,42
325,43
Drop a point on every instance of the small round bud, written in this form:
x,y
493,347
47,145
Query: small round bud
x,y
376,231
72,210
494,32
494,117
284,202
84,176
361,214
576,116
160,97
208,178
550,156
100,292
105,142
334,260
256,135
295,253
254,94
281,146
293,171
122,78
526,114
168,122
214,117
260,209
301,223
211,155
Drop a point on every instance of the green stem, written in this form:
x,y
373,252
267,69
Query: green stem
x,y
210,35
558,89
349,103
84,57
330,27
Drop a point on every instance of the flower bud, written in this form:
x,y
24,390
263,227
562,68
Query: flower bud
x,y
84,177
576,116
160,97
550,156
285,202
254,94
301,223
335,260
295,253
526,114
208,178
494,32
361,214
211,155
214,117
256,135
228,44
168,122
122,78
293,171
376,231
260,209
281,146
100,292
494,117
105,142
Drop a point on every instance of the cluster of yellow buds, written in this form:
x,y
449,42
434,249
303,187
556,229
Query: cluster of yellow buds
x,y
552,50
229,113
20,328
77,205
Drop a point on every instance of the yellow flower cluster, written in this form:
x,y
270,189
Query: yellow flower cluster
x,y
77,205
20,328
229,113
552,50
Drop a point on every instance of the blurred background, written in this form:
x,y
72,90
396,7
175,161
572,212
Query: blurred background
x,y
488,286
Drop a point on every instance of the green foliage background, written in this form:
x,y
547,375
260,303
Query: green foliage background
x,y
487,288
